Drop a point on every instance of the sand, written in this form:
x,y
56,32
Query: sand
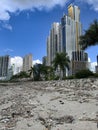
x,y
50,105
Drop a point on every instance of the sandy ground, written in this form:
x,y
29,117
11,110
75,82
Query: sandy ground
x,y
55,105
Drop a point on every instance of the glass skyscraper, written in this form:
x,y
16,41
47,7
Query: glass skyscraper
x,y
53,42
64,37
71,30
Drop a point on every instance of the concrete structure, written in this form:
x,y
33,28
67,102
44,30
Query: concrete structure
x,y
96,67
79,62
71,30
27,62
64,37
79,56
53,43
10,73
4,65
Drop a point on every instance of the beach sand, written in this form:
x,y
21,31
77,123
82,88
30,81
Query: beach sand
x,y
49,105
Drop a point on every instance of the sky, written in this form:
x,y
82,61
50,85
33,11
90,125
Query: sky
x,y
25,25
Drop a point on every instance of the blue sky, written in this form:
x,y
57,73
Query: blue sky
x,y
25,24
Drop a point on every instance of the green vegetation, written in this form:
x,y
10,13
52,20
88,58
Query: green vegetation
x,y
69,77
90,38
41,72
44,73
96,75
84,74
61,62
21,75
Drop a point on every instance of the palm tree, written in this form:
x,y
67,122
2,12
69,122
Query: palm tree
x,y
36,69
90,38
39,72
61,61
31,72
49,72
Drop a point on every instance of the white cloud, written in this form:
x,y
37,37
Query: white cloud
x,y
89,60
17,63
12,6
8,50
93,64
17,60
7,26
93,3
37,62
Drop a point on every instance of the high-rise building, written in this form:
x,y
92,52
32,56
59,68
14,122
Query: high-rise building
x,y
96,67
97,59
27,62
71,30
64,37
53,42
4,65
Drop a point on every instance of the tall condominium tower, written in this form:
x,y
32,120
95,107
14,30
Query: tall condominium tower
x,y
96,67
27,62
71,29
64,37
53,42
97,59
4,64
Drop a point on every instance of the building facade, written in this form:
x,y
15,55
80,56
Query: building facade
x,y
4,65
27,62
53,43
79,62
64,37
96,67
71,30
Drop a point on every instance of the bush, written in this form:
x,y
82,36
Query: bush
x,y
56,78
84,74
96,75
69,77
20,75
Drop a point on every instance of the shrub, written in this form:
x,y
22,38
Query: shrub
x,y
69,77
20,75
56,78
96,75
84,74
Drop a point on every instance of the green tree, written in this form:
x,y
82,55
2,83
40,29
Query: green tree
x,y
49,72
61,61
90,38
31,72
41,72
35,72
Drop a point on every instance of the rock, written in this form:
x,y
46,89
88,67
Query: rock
x,y
61,102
